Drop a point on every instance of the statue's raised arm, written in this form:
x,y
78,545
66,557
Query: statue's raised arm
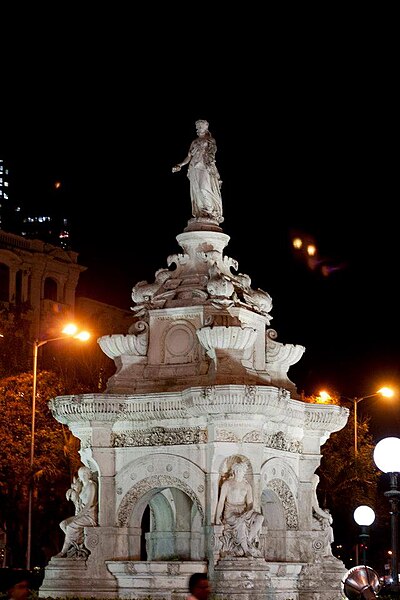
x,y
205,182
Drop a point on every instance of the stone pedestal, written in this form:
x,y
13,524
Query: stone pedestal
x,y
318,581
165,580
68,577
255,579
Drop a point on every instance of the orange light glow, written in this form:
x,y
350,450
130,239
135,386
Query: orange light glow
x,y
324,397
386,392
83,336
72,330
297,243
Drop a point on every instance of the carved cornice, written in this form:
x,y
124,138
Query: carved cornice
x,y
210,402
333,420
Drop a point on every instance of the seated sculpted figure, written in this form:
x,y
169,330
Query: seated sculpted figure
x,y
83,494
73,493
322,518
242,524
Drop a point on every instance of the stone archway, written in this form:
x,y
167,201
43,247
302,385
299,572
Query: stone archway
x,y
176,530
174,527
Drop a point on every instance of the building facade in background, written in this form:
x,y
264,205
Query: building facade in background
x,y
47,221
37,282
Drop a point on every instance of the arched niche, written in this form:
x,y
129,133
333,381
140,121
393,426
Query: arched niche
x,y
279,488
173,488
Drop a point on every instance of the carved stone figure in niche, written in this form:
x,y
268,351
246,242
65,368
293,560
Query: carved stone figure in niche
x,y
322,518
73,493
83,493
205,182
242,524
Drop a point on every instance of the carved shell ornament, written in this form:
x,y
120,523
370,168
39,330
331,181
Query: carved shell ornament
x,y
289,354
134,343
219,337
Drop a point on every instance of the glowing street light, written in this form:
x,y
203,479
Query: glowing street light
x,y
364,516
386,392
69,331
324,397
387,459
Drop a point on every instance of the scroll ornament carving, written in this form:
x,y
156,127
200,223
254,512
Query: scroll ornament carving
x,y
179,260
279,442
317,545
253,437
282,354
286,497
92,540
224,435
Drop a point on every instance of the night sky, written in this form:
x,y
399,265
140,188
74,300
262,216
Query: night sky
x,y
305,129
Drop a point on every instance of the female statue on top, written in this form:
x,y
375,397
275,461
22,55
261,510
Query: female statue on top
x,y
205,182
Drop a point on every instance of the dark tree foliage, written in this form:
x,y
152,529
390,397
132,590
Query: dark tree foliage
x,y
55,458
347,482
72,367
83,365
15,352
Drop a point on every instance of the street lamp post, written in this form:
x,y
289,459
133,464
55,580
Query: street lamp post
x,y
387,459
364,516
70,331
386,392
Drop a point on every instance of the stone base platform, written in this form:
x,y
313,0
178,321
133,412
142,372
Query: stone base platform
x,y
233,578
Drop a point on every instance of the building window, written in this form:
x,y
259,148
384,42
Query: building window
x,y
4,282
50,289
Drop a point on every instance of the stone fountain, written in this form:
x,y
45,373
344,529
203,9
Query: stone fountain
x,y
201,385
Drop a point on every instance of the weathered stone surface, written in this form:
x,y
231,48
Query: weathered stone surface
x,y
200,384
